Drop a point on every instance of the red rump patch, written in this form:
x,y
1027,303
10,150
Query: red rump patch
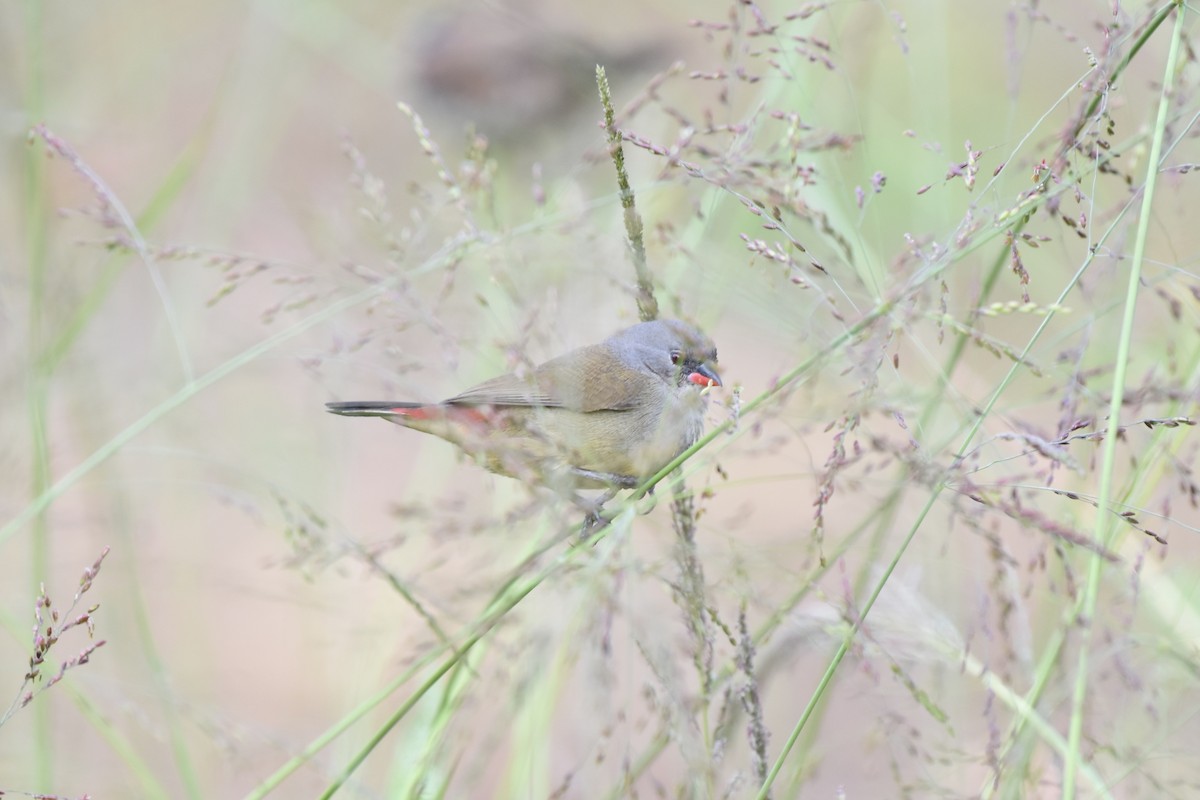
x,y
477,415
418,412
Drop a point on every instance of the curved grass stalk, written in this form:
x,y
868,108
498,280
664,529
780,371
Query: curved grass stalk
x,y
1105,527
46,498
827,677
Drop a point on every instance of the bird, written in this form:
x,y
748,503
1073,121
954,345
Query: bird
x,y
604,416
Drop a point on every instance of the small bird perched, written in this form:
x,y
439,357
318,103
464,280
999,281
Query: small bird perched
x,y
604,416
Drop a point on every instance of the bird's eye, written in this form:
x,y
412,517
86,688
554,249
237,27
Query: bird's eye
x,y
674,356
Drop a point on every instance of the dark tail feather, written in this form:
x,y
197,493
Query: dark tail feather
x,y
371,408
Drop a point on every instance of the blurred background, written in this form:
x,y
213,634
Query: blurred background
x,y
228,220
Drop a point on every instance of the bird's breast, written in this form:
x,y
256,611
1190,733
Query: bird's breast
x,y
637,442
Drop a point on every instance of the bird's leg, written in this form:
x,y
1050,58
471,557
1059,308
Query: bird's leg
x,y
594,518
610,478
593,513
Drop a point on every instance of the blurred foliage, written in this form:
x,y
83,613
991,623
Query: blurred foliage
x,y
911,231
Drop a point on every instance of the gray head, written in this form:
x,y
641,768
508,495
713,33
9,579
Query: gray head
x,y
673,350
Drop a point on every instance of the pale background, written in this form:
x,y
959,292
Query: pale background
x,y
241,619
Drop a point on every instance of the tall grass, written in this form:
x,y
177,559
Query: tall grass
x,y
938,540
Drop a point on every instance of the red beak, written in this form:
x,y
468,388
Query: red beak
x,y
703,376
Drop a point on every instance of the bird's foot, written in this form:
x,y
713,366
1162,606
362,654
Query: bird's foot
x,y
594,517
593,521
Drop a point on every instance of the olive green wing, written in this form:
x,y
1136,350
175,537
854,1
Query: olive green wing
x,y
585,380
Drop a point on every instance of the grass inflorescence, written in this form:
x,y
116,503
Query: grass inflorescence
x,y
936,540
